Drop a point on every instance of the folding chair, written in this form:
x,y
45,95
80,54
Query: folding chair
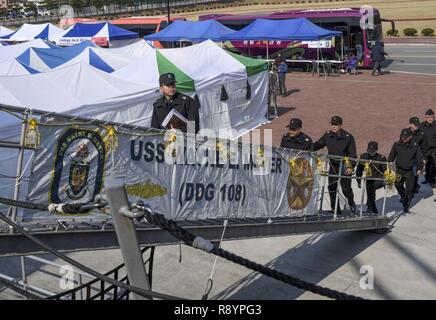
x,y
316,65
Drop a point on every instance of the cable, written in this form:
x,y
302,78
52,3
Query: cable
x,y
209,284
139,291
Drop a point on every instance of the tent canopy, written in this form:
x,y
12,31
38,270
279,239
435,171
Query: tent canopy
x,y
290,29
13,51
86,31
104,59
214,66
76,89
5,31
13,67
194,31
27,32
127,95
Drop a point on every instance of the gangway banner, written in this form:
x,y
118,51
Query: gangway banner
x,y
179,176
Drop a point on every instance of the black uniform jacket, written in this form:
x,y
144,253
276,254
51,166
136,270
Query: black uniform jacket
x,y
341,144
300,142
182,103
429,130
377,169
406,156
419,138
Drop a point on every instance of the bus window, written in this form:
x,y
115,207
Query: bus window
x,y
374,35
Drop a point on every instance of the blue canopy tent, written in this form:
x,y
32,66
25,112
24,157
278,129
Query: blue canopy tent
x,y
86,31
53,57
290,29
195,31
106,60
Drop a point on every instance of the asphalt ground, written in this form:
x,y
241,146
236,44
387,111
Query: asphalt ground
x,y
411,58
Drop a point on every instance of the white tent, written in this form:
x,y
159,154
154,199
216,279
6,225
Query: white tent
x,y
106,32
5,31
101,58
13,67
28,32
128,96
13,51
205,69
79,90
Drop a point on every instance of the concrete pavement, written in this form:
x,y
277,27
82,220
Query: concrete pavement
x,y
411,58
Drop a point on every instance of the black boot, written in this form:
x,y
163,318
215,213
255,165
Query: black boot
x,y
406,204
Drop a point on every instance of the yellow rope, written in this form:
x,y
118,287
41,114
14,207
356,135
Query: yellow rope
x,y
110,139
320,166
347,163
368,171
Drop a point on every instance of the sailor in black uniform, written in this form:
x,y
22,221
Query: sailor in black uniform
x,y
295,138
339,143
407,156
170,99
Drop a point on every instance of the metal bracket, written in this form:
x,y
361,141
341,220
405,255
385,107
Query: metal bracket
x,y
126,234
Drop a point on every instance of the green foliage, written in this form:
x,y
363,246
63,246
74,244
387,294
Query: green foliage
x,y
392,33
410,32
427,32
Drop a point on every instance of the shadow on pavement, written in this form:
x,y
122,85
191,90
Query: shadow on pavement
x,y
312,260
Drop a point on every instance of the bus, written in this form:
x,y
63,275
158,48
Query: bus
x,y
146,25
346,20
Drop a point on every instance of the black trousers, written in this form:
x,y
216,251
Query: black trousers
x,y
345,186
430,167
376,67
406,185
371,187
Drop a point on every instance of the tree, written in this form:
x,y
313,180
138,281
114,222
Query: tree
x,y
77,4
98,4
51,5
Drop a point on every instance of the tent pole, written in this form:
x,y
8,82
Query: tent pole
x,y
267,53
317,57
342,47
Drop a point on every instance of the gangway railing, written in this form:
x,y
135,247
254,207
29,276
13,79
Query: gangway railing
x,y
73,235
104,292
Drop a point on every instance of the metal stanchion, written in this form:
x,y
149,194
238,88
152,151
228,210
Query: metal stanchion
x,y
337,190
362,198
23,272
13,210
325,178
384,201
